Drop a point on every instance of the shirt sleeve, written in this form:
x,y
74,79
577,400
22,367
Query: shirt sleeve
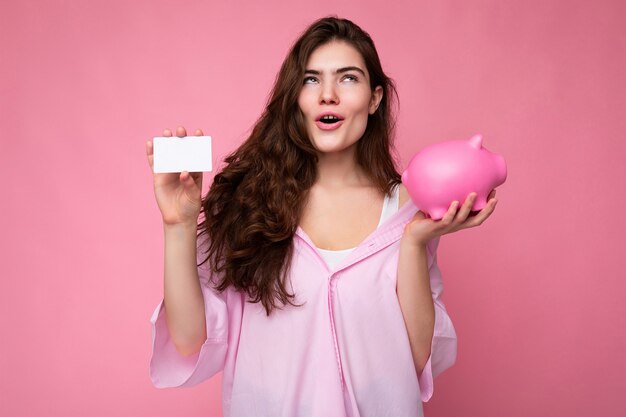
x,y
444,345
168,368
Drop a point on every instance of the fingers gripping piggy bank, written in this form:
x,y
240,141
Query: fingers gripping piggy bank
x,y
450,170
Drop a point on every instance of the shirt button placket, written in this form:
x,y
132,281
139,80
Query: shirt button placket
x,y
332,284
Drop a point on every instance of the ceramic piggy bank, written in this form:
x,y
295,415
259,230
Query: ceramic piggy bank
x,y
450,170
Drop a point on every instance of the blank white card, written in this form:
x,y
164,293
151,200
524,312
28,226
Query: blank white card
x,y
176,154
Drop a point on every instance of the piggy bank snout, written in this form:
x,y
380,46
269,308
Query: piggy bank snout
x,y
500,169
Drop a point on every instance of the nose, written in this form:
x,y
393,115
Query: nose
x,y
328,94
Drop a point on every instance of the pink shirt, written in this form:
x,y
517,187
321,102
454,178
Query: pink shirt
x,y
345,352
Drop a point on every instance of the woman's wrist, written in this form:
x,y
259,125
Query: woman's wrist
x,y
409,242
180,228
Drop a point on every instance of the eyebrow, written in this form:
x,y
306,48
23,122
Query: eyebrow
x,y
337,71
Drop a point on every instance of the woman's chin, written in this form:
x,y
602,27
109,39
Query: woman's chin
x,y
333,150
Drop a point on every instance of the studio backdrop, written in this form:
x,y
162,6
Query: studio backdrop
x,y
535,293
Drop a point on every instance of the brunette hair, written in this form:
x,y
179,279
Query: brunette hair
x,y
253,207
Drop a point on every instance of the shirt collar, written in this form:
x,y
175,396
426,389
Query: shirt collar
x,y
388,233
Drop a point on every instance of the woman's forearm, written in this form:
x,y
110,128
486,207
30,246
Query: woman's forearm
x,y
416,302
184,303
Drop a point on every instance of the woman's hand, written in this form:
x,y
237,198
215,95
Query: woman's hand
x,y
421,229
179,195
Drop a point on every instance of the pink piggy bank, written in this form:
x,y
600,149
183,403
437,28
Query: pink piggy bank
x,y
450,170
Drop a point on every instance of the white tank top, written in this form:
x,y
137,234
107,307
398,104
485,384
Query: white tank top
x,y
390,206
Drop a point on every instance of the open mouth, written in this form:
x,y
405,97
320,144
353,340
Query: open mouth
x,y
329,119
329,123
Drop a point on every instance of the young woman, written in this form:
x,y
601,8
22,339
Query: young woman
x,y
313,282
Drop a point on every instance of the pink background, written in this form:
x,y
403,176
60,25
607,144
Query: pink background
x,y
536,293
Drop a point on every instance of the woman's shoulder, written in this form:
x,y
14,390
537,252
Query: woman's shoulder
x,y
403,195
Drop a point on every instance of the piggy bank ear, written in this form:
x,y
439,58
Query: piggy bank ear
x,y
476,141
404,176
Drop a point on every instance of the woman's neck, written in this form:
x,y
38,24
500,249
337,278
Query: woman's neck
x,y
340,170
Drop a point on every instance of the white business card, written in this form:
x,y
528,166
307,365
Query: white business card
x,y
176,154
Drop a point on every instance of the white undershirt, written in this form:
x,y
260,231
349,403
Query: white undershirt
x,y
390,206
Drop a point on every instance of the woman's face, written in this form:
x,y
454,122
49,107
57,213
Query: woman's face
x,y
336,84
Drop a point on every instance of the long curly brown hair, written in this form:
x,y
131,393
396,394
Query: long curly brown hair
x,y
253,207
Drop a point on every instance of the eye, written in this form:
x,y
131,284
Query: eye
x,y
309,80
351,77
